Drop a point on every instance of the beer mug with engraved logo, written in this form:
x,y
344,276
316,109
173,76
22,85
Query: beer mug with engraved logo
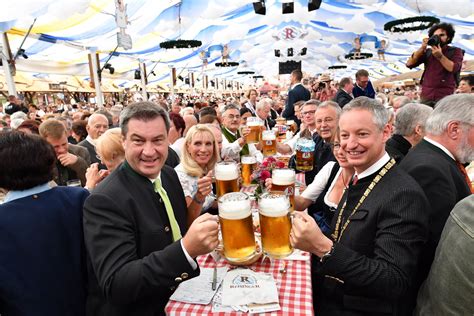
x,y
269,143
304,154
235,218
275,224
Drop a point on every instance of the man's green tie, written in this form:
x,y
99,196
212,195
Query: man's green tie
x,y
169,210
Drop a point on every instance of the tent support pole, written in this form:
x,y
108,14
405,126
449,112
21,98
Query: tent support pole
x,y
7,70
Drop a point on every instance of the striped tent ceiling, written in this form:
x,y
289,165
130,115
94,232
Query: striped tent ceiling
x,y
65,32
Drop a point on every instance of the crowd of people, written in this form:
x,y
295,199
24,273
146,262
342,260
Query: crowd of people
x,y
106,210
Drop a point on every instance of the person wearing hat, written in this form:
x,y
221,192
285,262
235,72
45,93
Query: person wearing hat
x,y
324,91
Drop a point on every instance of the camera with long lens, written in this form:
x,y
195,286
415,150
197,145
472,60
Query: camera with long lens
x,y
322,85
434,40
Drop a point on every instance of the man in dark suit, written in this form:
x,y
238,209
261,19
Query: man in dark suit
x,y
344,94
97,124
366,265
72,161
134,220
363,86
42,257
436,164
409,129
297,93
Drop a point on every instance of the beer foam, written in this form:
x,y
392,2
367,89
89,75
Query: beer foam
x,y
226,172
273,205
290,122
283,176
248,160
235,205
255,123
268,135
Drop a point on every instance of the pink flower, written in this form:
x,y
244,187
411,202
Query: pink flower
x,y
264,164
270,159
264,175
280,164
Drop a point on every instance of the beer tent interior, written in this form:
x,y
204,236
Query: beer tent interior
x,y
64,33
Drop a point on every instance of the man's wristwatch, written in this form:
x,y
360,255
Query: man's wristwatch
x,y
327,254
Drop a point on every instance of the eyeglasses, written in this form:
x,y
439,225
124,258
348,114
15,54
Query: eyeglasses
x,y
308,112
335,146
233,117
326,120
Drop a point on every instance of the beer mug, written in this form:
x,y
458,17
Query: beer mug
x,y
275,224
304,154
269,143
235,218
283,180
248,164
255,125
291,126
227,177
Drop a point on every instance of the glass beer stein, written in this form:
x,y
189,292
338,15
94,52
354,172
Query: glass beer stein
x,y
235,218
275,224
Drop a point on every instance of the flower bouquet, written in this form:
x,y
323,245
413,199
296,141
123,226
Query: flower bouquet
x,y
263,172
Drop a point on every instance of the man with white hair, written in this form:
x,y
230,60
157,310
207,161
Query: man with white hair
x,y
263,112
96,126
409,129
399,102
436,163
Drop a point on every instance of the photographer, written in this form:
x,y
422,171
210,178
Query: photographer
x,y
324,91
442,63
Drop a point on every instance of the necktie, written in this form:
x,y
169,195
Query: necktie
x,y
466,176
169,210
355,179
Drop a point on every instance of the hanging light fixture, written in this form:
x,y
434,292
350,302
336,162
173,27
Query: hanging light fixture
x,y
180,43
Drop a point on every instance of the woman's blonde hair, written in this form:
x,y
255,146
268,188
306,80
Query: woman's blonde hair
x,y
109,145
189,164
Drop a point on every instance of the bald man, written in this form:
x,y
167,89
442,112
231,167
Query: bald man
x,y
96,126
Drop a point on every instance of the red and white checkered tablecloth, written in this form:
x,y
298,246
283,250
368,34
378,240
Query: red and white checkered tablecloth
x,y
294,286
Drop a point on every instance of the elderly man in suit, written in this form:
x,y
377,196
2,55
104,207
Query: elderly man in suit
x,y
409,126
297,93
366,265
42,257
263,112
135,220
97,124
72,161
436,163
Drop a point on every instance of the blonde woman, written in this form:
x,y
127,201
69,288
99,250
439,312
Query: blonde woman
x,y
110,151
199,155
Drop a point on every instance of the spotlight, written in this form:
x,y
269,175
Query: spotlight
x,y
181,78
21,52
259,7
288,7
304,51
277,53
186,80
153,73
314,5
290,52
213,83
137,75
110,68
